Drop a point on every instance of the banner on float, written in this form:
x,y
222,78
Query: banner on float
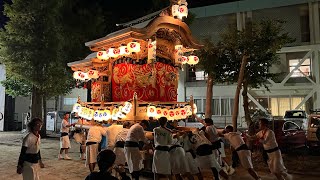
x,y
2,96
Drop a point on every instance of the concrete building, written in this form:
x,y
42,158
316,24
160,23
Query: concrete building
x,y
298,88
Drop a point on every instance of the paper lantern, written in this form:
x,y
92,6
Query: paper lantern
x,y
76,107
159,113
184,59
195,109
102,55
171,114
152,50
183,113
151,111
114,115
179,11
123,50
83,112
76,74
177,114
80,111
83,76
175,10
192,60
96,116
188,110
127,107
133,47
90,114
120,114
183,11
165,112
113,52
93,74
106,115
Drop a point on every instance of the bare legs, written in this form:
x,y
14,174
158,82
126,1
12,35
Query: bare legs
x,y
92,166
253,173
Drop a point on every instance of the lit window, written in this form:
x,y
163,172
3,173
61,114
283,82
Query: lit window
x,y
69,101
304,68
200,75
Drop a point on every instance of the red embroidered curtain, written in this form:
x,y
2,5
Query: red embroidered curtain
x,y
157,82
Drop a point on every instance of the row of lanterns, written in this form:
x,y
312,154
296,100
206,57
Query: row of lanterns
x,y
91,74
123,50
116,113
180,58
172,113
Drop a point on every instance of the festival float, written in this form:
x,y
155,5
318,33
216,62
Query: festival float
x,y
133,73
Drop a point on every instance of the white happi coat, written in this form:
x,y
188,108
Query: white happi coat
x,y
208,161
192,165
111,135
275,161
161,159
64,140
120,156
31,170
178,157
133,155
95,134
236,141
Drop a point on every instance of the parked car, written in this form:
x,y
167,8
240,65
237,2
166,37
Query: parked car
x,y
288,135
313,131
300,117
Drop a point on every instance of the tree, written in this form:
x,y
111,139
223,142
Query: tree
x,y
40,38
209,56
252,52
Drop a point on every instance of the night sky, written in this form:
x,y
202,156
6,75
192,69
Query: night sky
x,y
124,11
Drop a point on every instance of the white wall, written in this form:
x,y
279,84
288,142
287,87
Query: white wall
x,y
2,96
22,107
74,94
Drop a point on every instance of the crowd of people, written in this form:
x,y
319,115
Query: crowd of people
x,y
178,153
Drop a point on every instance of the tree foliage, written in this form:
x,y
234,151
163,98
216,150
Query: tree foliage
x,y
258,43
42,36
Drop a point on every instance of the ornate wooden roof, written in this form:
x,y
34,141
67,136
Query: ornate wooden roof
x,y
166,29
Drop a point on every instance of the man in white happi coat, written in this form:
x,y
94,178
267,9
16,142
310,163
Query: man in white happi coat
x,y
119,145
131,148
275,162
112,132
178,159
94,137
212,135
64,139
190,155
80,136
161,156
205,158
241,149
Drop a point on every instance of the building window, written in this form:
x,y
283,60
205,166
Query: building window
x,y
215,107
304,68
279,106
220,106
69,101
195,74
